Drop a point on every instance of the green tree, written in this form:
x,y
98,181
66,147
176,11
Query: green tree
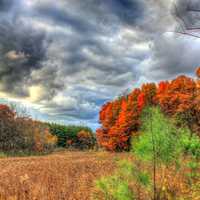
x,y
159,146
159,143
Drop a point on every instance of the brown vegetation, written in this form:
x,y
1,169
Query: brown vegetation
x,y
66,176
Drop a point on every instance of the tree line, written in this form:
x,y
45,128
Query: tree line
x,y
20,133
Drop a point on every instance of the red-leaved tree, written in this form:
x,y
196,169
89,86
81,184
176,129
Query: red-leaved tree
x,y
120,119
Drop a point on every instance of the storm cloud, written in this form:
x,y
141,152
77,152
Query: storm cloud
x,y
67,58
5,5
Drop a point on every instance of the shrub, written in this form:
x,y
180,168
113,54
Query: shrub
x,y
191,148
190,144
85,140
114,188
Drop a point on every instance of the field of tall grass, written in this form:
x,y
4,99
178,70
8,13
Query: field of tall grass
x,y
60,176
69,176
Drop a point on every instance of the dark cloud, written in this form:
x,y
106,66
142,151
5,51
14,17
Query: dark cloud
x,y
5,5
22,49
61,17
172,55
92,16
128,11
69,57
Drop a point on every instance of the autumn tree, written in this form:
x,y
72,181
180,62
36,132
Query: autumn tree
x,y
125,123
120,119
177,99
198,72
19,133
85,140
10,137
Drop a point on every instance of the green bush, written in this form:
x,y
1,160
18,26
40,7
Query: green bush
x,y
191,148
190,143
114,188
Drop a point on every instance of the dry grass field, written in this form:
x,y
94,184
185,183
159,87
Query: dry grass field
x,y
60,176
65,176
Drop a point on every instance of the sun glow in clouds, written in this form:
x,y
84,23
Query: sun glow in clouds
x,y
28,3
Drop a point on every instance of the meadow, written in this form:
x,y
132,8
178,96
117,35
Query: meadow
x,y
61,176
69,175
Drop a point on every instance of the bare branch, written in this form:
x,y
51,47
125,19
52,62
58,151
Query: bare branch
x,y
185,29
185,33
177,14
193,10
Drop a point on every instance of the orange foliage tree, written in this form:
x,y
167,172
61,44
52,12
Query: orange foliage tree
x,y
85,140
23,133
9,135
198,72
120,119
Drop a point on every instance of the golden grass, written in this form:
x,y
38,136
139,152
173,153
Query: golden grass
x,y
61,176
66,176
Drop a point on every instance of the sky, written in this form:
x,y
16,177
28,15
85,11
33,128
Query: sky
x,y
64,59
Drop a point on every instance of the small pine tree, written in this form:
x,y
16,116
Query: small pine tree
x,y
162,145
158,143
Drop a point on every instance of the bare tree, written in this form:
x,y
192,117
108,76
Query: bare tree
x,y
187,13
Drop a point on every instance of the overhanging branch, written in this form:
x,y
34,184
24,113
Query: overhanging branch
x,y
185,29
